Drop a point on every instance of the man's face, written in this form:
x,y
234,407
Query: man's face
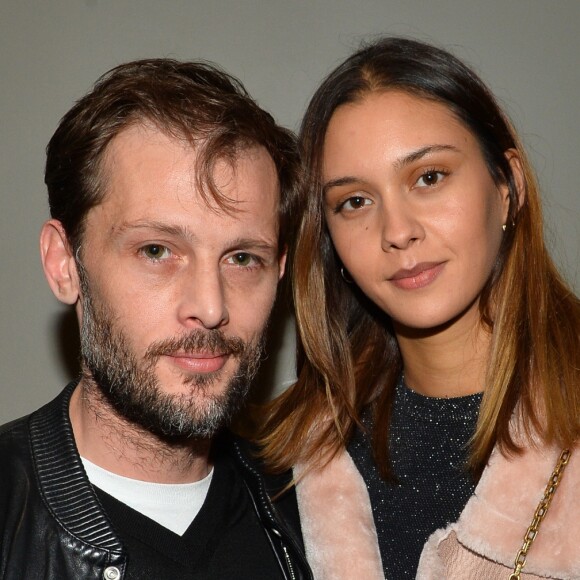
x,y
175,294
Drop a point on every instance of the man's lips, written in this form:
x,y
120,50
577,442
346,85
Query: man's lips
x,y
419,276
199,362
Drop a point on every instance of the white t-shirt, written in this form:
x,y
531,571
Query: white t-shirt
x,y
172,505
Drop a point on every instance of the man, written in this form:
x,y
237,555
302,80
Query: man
x,y
170,192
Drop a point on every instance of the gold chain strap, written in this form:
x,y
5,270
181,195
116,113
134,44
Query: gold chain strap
x,y
540,513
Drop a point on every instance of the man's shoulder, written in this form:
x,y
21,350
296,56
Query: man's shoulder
x,y
15,425
15,460
15,446
15,436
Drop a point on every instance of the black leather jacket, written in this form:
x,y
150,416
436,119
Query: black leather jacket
x,y
53,527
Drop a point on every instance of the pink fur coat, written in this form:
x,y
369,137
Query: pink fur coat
x,y
341,541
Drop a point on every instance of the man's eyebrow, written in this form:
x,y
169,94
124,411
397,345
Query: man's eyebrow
x,y
172,230
257,243
399,164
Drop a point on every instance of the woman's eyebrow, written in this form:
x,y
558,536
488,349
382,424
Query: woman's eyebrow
x,y
346,180
422,152
398,164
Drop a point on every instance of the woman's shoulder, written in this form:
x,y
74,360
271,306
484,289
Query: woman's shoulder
x,y
506,501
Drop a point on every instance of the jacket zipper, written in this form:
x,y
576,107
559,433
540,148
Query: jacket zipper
x,y
289,562
262,499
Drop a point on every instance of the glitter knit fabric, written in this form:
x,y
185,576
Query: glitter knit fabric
x,y
428,447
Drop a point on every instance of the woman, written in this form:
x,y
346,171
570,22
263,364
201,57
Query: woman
x,y
439,387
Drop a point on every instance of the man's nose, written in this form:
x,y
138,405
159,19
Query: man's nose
x,y
202,298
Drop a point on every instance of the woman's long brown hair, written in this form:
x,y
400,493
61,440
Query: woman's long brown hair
x,y
348,356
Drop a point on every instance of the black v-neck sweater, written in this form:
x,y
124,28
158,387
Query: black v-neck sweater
x,y
224,541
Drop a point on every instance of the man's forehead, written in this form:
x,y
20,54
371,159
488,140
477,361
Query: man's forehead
x,y
217,175
200,148
153,178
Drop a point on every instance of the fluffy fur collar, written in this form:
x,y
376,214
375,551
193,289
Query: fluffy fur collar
x,y
341,541
337,522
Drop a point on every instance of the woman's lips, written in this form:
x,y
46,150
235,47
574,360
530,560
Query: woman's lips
x,y
419,276
199,362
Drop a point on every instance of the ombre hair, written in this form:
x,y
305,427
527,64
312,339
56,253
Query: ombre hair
x,y
348,356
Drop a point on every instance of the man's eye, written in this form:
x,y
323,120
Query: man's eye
x,y
242,259
155,252
353,203
430,178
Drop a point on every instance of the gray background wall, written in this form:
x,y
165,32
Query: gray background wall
x,y
52,51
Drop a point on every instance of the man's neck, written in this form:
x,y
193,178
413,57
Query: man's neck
x,y
117,445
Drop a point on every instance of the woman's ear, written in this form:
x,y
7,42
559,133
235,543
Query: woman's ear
x,y
58,262
515,161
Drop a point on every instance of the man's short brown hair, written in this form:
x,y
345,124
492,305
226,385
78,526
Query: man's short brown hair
x,y
195,101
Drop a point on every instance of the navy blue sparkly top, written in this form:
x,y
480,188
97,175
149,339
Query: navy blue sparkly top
x,y
428,450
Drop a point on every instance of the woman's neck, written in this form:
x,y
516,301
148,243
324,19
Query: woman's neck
x,y
446,362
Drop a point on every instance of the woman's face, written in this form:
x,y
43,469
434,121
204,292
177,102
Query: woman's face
x,y
411,207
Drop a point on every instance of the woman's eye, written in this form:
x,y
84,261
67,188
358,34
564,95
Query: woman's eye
x,y
430,178
155,252
354,203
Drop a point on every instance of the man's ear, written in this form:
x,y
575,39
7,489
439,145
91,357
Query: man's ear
x,y
282,262
515,162
58,262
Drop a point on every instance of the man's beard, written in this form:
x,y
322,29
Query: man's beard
x,y
132,388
